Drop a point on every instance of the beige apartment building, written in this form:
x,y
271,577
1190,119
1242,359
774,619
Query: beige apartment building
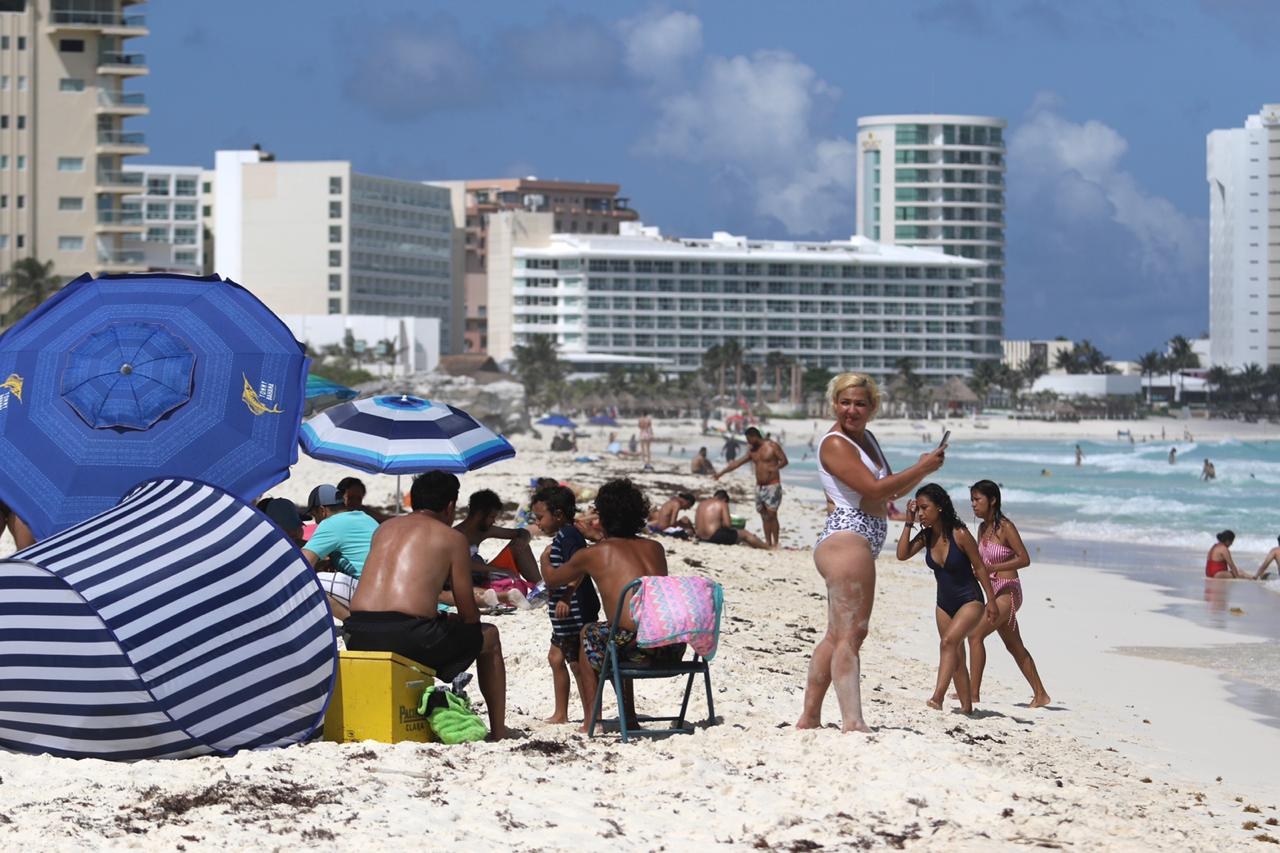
x,y
576,207
64,104
316,237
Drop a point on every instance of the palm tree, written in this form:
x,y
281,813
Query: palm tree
x,y
985,374
1219,379
776,361
539,367
1150,363
30,282
913,382
731,351
1182,357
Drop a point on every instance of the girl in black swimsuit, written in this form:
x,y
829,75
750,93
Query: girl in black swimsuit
x,y
962,581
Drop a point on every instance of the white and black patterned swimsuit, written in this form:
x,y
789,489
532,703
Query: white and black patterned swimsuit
x,y
847,516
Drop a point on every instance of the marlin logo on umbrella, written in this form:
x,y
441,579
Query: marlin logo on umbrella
x,y
13,385
254,402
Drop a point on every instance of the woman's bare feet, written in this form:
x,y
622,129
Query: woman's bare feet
x,y
1040,701
856,726
935,704
557,719
806,722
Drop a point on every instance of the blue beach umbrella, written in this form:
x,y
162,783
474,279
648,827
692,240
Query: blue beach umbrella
x,y
557,421
322,393
123,378
401,434
602,420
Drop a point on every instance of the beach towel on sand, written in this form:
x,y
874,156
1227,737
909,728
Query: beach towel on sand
x,y
672,610
450,716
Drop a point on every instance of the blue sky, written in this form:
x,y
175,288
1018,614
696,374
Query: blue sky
x,y
710,114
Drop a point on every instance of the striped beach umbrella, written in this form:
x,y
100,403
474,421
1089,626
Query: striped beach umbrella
x,y
180,623
402,434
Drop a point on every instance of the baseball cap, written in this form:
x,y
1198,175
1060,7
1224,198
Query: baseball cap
x,y
325,494
284,513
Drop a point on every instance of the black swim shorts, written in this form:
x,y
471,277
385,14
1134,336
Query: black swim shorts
x,y
446,645
723,536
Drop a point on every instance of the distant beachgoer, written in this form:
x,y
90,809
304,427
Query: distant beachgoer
x,y
645,425
1045,472
768,458
1173,455
353,494
1002,550
858,483
1273,556
963,585
712,523
570,606
1079,456
633,445
730,449
1208,472
1219,560
700,464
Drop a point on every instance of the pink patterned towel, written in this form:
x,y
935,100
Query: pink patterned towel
x,y
671,610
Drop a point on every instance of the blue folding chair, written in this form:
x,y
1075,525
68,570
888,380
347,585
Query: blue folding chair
x,y
619,672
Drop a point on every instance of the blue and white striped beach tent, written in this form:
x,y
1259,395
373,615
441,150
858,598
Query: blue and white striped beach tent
x,y
180,623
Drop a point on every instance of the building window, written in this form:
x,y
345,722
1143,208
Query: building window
x,y
185,257
335,282
22,83
71,45
206,210
206,187
335,210
157,210
184,212
4,241
335,185
70,84
158,234
22,163
335,233
4,42
22,241
335,306
4,82
4,122
184,186
22,122
70,164
184,236
70,202
22,42
22,202
335,258
4,161
158,185
4,201
70,244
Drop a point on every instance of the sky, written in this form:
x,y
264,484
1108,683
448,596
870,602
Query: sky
x,y
741,115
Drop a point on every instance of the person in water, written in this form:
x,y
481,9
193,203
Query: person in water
x,y
963,584
1218,563
1001,548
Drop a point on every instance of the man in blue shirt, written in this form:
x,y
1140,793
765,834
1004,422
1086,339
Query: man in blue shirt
x,y
342,535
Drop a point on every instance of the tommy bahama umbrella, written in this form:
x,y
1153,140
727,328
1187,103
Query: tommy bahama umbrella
x,y
123,378
402,434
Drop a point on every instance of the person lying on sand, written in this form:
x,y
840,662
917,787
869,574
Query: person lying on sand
x,y
712,523
395,608
619,558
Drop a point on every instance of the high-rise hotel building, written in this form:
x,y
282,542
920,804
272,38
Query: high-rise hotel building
x,y
849,304
938,181
64,105
1244,242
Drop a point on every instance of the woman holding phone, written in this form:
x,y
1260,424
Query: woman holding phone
x,y
859,485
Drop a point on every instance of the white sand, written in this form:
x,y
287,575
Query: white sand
x,y
1088,773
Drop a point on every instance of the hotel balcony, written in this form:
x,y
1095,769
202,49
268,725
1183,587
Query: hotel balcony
x,y
122,103
106,23
119,222
122,260
122,142
119,183
123,64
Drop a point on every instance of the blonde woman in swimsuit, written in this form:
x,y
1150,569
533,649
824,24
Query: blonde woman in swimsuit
x,y
859,485
1002,550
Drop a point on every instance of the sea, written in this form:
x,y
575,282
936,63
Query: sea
x,y
1126,509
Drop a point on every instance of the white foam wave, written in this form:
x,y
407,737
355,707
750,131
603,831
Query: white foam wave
x,y
1195,541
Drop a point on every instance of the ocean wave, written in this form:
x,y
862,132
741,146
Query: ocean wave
x,y
1193,540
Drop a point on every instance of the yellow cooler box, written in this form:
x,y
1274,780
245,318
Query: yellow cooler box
x,y
376,698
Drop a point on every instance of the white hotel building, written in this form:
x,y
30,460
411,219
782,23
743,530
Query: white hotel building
x,y
853,305
938,181
1244,242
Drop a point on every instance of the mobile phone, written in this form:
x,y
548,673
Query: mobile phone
x,y
945,436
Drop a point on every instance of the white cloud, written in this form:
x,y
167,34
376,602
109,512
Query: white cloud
x,y
1072,170
755,119
657,48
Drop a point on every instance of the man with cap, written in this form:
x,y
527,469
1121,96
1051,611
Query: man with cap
x,y
284,513
343,536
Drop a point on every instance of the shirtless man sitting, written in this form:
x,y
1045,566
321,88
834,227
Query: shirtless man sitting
x,y
483,510
712,523
619,558
394,607
667,520
768,458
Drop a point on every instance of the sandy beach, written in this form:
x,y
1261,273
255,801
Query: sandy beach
x,y
1135,752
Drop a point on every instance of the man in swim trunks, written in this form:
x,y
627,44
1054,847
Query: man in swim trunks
x,y
619,558
712,523
395,607
769,459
